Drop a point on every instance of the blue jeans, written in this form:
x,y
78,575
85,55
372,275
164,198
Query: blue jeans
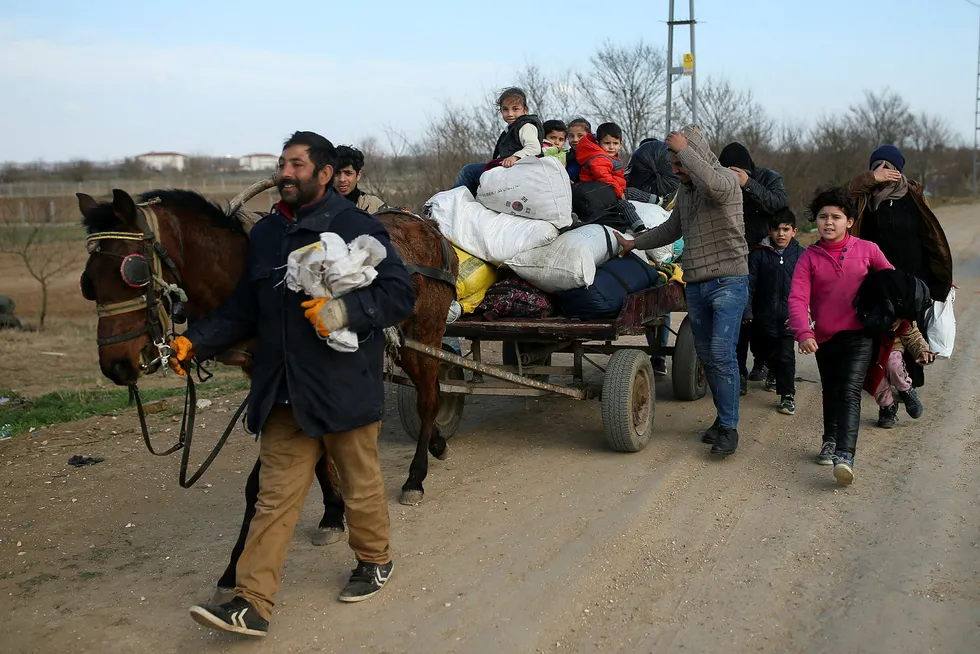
x,y
469,176
715,308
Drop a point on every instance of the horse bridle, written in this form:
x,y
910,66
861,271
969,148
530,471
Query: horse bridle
x,y
159,321
149,265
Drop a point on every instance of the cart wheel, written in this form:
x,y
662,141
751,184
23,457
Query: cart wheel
x,y
686,370
450,405
628,400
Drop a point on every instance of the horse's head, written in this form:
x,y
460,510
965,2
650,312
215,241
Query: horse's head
x,y
119,277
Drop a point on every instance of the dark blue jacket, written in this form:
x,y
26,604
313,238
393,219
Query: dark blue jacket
x,y
329,391
770,280
649,169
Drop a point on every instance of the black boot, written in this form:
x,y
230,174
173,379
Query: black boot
x,y
726,442
913,405
888,416
709,436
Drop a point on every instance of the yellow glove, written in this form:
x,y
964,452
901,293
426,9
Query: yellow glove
x,y
183,350
326,315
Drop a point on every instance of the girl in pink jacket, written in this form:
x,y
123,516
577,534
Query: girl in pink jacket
x,y
825,282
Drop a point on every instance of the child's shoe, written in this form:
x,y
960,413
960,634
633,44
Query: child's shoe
x,y
844,467
913,405
826,456
888,416
787,405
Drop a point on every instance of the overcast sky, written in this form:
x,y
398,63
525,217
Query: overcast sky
x,y
108,79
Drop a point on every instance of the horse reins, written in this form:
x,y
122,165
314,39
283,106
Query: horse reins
x,y
159,325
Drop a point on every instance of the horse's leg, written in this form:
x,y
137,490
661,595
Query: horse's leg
x,y
424,373
331,528
228,580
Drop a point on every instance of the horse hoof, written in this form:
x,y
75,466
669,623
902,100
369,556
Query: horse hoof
x,y
328,535
411,497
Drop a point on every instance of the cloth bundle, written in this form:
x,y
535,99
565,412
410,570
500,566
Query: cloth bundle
x,y
330,268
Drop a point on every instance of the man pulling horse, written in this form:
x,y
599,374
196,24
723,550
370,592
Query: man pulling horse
x,y
305,396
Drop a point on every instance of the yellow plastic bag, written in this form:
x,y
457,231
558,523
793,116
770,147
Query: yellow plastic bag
x,y
475,278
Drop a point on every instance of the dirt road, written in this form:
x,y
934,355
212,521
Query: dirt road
x,y
535,537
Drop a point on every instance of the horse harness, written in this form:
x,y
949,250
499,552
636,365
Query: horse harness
x,y
146,270
443,274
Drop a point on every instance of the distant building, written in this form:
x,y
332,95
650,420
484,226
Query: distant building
x,y
258,162
162,160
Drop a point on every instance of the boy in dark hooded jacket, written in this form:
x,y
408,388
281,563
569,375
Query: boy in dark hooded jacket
x,y
771,266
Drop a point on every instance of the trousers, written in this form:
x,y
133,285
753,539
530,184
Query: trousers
x,y
843,363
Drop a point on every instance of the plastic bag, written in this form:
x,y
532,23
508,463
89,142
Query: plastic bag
x,y
654,215
475,278
486,234
570,261
533,188
941,332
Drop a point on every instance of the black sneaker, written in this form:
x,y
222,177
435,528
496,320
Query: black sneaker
x,y
726,442
709,436
771,382
787,405
759,371
888,416
366,581
659,366
913,405
844,468
238,616
826,456
743,379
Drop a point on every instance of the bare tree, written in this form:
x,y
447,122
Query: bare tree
x,y
882,117
930,136
538,88
727,114
41,255
627,85
78,170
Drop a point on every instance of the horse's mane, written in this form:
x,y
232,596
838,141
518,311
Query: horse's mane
x,y
103,219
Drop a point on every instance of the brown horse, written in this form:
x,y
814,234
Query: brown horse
x,y
206,249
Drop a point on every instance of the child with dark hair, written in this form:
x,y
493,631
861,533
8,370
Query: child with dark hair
x,y
350,165
555,132
521,138
599,157
771,267
578,129
825,284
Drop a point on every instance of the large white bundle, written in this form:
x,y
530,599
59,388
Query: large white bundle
x,y
485,234
652,216
532,188
570,262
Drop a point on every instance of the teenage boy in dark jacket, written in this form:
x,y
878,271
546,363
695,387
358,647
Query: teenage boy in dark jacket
x,y
771,266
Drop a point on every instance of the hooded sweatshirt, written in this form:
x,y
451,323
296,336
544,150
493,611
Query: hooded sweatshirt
x,y
763,194
707,214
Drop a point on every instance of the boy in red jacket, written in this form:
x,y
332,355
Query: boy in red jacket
x,y
599,158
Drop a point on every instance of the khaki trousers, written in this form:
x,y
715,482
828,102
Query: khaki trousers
x,y
288,458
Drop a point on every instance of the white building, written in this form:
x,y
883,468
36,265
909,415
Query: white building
x,y
162,160
258,162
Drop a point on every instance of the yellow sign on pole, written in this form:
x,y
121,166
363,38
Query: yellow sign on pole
x,y
688,65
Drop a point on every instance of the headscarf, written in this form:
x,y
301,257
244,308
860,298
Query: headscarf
x,y
892,191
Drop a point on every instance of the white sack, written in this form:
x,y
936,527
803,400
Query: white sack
x,y
330,268
533,188
486,234
570,262
941,332
653,215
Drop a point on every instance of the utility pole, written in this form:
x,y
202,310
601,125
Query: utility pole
x,y
976,116
688,69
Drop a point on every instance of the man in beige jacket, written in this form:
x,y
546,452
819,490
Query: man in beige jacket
x,y
350,164
708,214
